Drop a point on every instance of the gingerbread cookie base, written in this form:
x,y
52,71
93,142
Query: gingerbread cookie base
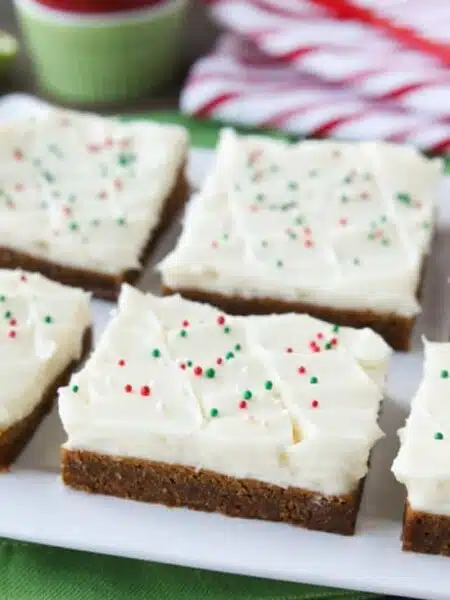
x,y
425,532
183,486
14,439
101,285
395,329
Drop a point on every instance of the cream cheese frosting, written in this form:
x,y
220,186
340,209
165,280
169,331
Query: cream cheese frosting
x,y
422,463
86,191
285,399
41,332
336,224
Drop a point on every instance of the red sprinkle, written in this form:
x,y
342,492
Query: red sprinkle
x,y
198,370
18,154
307,230
343,221
118,184
254,208
19,187
314,404
13,322
145,390
108,142
12,334
308,244
301,370
333,341
121,363
128,388
67,210
289,350
185,323
23,278
221,320
214,244
182,366
242,404
93,148
320,336
103,195
219,361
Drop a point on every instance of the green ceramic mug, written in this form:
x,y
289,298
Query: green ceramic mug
x,y
102,58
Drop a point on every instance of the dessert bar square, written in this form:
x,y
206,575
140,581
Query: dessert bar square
x,y
45,330
83,197
422,463
268,417
337,230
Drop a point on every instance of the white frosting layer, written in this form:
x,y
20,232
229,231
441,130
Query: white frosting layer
x,y
285,399
335,224
41,332
423,462
86,191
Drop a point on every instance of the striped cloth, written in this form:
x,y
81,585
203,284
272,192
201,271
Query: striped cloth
x,y
300,66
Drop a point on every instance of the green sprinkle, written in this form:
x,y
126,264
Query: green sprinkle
x,y
313,380
226,330
260,197
279,263
385,242
2,298
229,355
183,333
237,187
293,185
344,198
226,236
313,173
214,412
72,198
95,222
156,353
75,389
121,221
403,197
292,235
264,243
328,346
7,314
73,226
347,179
126,159
299,220
238,347
444,374
247,395
48,319
210,373
383,219
48,176
335,328
438,436
425,225
371,236
189,363
268,385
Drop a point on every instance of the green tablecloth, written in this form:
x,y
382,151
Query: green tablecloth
x,y
32,572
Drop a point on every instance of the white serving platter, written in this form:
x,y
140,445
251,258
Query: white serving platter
x,y
37,508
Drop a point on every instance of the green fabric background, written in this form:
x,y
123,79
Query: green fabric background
x,y
32,572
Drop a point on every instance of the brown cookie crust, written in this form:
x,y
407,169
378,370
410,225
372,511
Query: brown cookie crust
x,y
14,438
183,486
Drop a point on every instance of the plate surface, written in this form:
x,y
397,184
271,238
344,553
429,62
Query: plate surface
x,y
36,507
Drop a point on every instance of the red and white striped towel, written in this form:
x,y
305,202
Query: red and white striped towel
x,y
293,65
350,53
238,83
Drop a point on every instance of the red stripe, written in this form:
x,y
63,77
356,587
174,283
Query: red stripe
x,y
401,91
294,54
347,10
215,102
326,128
441,147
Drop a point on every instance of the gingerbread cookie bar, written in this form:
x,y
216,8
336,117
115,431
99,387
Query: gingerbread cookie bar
x,y
267,417
83,198
338,230
422,464
45,330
